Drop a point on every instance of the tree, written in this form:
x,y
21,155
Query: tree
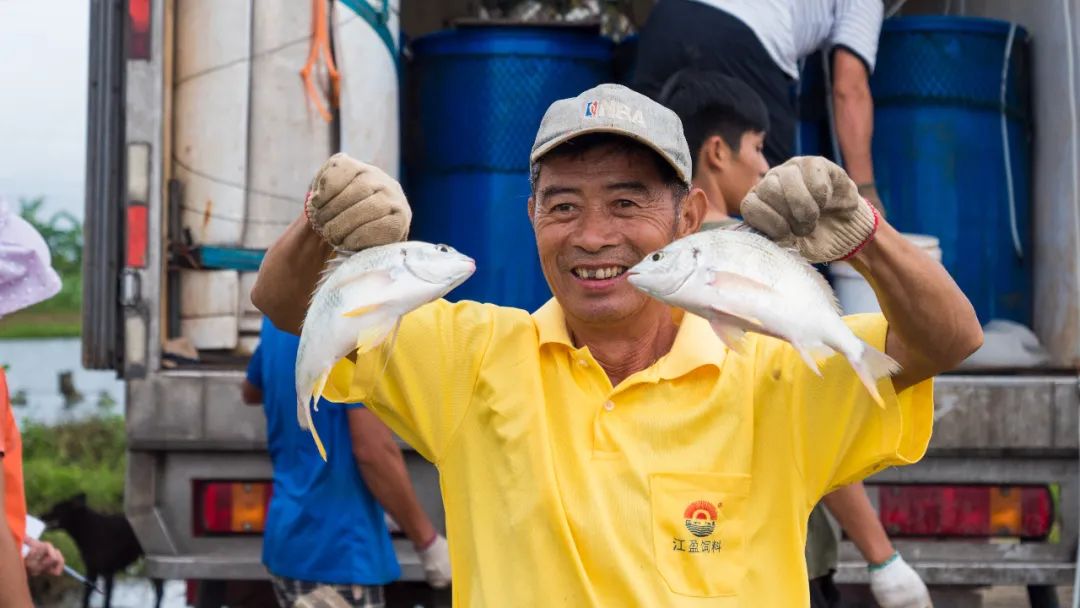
x,y
63,233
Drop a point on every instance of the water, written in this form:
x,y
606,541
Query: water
x,y
32,375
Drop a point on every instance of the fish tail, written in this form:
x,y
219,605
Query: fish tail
x,y
872,365
303,412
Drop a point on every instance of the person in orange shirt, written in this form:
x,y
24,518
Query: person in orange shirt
x,y
26,278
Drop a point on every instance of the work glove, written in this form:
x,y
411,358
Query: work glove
x,y
810,204
436,561
353,205
896,585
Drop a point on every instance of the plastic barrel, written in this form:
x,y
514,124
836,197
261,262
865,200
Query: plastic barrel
x,y
939,160
477,96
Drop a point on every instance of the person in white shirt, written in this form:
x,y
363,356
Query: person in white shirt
x,y
761,42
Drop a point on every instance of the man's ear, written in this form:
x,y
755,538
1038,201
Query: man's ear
x,y
692,212
717,154
532,208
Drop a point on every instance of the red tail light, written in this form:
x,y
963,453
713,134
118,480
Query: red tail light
x,y
230,507
138,30
969,511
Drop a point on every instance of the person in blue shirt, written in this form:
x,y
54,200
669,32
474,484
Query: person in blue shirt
x,y
325,530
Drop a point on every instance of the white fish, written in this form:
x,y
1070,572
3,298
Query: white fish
x,y
360,300
741,281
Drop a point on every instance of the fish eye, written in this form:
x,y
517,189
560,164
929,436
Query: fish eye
x,y
444,249
656,257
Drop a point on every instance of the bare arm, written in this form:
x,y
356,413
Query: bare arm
x,y
383,468
854,109
854,114
851,507
932,325
16,593
251,394
288,275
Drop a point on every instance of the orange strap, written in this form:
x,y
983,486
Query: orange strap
x,y
320,41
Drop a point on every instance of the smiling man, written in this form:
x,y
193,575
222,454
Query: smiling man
x,y
608,450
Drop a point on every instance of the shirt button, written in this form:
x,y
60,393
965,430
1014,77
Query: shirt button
x,y
609,406
583,362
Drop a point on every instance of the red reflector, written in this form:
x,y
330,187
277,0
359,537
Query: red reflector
x,y
230,507
969,511
138,38
136,236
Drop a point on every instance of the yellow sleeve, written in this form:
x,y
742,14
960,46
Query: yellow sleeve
x,y
841,436
428,381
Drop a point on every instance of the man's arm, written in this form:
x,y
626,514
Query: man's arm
x,y
854,111
382,466
288,275
250,393
932,325
16,593
851,507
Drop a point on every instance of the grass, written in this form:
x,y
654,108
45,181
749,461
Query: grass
x,y
58,317
61,461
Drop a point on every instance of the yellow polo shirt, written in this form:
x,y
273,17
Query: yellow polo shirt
x,y
688,484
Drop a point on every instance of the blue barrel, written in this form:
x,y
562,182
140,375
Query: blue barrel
x,y
477,96
939,160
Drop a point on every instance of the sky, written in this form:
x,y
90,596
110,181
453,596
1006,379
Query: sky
x,y
43,67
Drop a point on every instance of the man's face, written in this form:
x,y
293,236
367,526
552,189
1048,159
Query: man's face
x,y
595,215
743,170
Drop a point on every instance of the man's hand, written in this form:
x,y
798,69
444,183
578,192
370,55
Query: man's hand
x,y
436,561
897,585
43,558
811,204
353,205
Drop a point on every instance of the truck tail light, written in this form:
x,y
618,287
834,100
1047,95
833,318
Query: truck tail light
x,y
230,507
138,196
966,511
138,30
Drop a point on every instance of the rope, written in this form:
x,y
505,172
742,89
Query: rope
x,y
320,43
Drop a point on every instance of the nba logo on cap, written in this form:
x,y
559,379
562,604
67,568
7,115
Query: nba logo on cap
x,y
591,108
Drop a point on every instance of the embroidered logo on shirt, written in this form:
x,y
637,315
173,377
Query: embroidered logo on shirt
x,y
700,517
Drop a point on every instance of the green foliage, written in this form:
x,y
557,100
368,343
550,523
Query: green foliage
x,y
64,460
63,233
60,315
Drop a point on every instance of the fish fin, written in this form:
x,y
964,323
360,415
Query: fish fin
x,y
370,337
737,281
306,422
320,384
826,289
390,346
361,310
731,335
870,367
331,265
812,353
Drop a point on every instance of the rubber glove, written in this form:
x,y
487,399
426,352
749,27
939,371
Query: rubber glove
x,y
896,585
354,205
436,561
810,203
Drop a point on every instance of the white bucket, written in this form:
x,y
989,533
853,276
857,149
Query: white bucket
x,y
854,292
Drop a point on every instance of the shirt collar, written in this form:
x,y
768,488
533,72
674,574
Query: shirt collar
x,y
696,344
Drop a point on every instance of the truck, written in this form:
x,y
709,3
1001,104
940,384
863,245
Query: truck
x,y
198,123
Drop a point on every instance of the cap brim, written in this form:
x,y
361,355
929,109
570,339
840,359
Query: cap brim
x,y
558,141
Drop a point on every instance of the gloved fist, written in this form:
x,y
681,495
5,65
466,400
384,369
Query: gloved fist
x,y
435,558
897,585
353,205
811,204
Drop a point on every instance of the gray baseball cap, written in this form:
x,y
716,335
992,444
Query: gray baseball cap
x,y
613,108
